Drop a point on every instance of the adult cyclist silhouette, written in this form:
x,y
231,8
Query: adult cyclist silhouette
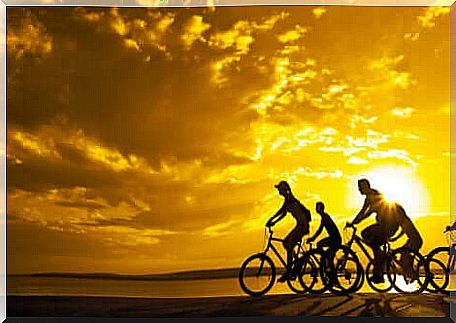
x,y
389,217
302,217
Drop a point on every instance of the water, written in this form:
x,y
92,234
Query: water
x,y
27,286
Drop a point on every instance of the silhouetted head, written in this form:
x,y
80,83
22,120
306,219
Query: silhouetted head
x,y
320,207
364,186
283,188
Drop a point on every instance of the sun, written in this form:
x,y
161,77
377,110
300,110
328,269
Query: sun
x,y
400,185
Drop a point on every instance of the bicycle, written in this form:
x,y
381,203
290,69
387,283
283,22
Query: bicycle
x,y
440,263
258,272
313,274
391,267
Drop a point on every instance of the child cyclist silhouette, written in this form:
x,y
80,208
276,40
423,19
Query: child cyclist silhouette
x,y
333,240
302,217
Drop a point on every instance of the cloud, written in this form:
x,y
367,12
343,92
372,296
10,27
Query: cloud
x,y
194,28
44,147
53,143
318,12
392,154
428,19
29,36
403,112
387,67
357,161
144,34
412,36
236,42
319,174
292,36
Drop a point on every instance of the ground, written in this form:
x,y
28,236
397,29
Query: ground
x,y
363,304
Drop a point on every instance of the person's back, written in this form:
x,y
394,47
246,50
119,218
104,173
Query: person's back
x,y
415,241
330,226
334,239
298,211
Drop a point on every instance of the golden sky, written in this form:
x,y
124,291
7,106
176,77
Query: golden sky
x,y
146,140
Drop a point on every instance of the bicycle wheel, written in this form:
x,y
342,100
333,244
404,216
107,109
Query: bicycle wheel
x,y
412,275
384,287
309,276
439,278
345,274
293,281
257,274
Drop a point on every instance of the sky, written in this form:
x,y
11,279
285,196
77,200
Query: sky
x,y
149,140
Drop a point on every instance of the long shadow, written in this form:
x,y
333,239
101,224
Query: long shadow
x,y
347,299
371,307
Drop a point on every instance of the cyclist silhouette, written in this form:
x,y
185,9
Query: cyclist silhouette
x,y
452,230
302,216
389,217
333,239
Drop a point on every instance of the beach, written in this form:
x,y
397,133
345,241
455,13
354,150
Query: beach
x,y
360,304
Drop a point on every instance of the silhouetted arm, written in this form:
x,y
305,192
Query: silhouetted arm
x,y
397,237
364,213
280,214
318,232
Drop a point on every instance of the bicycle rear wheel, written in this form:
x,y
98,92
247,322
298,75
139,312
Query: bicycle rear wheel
x,y
309,276
293,281
412,275
384,287
345,274
257,274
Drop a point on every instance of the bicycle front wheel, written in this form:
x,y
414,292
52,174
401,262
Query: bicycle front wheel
x,y
410,268
345,272
439,277
310,277
257,275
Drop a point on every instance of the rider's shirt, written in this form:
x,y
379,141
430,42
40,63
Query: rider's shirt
x,y
296,209
406,223
330,227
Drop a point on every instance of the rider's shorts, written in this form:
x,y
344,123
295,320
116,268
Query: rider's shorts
x,y
295,235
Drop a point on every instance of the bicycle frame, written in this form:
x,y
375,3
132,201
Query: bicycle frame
x,y
360,242
271,246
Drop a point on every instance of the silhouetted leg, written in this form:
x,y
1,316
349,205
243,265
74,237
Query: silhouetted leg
x,y
289,242
374,237
414,243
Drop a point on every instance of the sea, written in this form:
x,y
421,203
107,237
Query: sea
x,y
63,286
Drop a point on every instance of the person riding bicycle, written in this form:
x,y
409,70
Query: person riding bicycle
x,y
302,217
333,240
414,239
377,234
452,230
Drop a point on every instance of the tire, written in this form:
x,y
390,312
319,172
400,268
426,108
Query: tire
x,y
437,269
295,284
383,287
344,265
255,270
419,266
310,278
439,250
